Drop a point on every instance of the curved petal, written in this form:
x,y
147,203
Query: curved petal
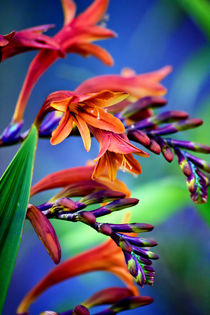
x,y
106,98
64,178
88,49
99,168
100,119
132,165
63,130
111,165
61,105
84,131
93,13
69,10
45,232
119,144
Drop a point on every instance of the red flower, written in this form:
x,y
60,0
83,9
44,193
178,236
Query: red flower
x,y
136,85
26,40
115,152
76,36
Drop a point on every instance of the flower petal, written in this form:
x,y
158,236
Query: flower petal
x,y
107,296
106,98
84,131
107,257
69,10
88,49
111,165
93,13
62,105
45,231
63,130
99,168
63,178
100,119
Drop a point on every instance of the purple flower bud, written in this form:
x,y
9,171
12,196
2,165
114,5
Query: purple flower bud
x,y
101,196
10,134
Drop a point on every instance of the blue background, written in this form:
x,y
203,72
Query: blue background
x,y
151,34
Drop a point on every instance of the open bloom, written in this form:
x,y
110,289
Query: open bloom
x,y
84,110
105,257
136,85
76,36
29,39
115,152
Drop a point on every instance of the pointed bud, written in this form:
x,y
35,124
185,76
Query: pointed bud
x,y
122,204
45,231
101,196
116,205
189,145
140,242
80,310
154,146
145,253
11,132
204,165
139,137
132,227
142,104
64,204
86,217
105,228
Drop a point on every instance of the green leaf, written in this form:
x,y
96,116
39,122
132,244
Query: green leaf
x,y
199,11
14,191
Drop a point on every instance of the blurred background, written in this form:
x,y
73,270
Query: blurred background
x,y
151,34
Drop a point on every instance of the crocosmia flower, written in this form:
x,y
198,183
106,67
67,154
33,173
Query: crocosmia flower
x,y
115,152
26,40
84,110
106,257
76,36
136,85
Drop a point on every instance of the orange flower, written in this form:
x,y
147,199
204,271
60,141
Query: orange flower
x,y
136,85
84,110
76,36
76,175
45,231
115,152
106,257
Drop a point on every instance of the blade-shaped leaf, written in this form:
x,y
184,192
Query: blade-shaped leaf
x,y
14,196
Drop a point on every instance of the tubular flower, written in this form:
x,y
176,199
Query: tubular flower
x,y
106,257
74,179
115,152
76,36
26,40
45,231
83,110
136,85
